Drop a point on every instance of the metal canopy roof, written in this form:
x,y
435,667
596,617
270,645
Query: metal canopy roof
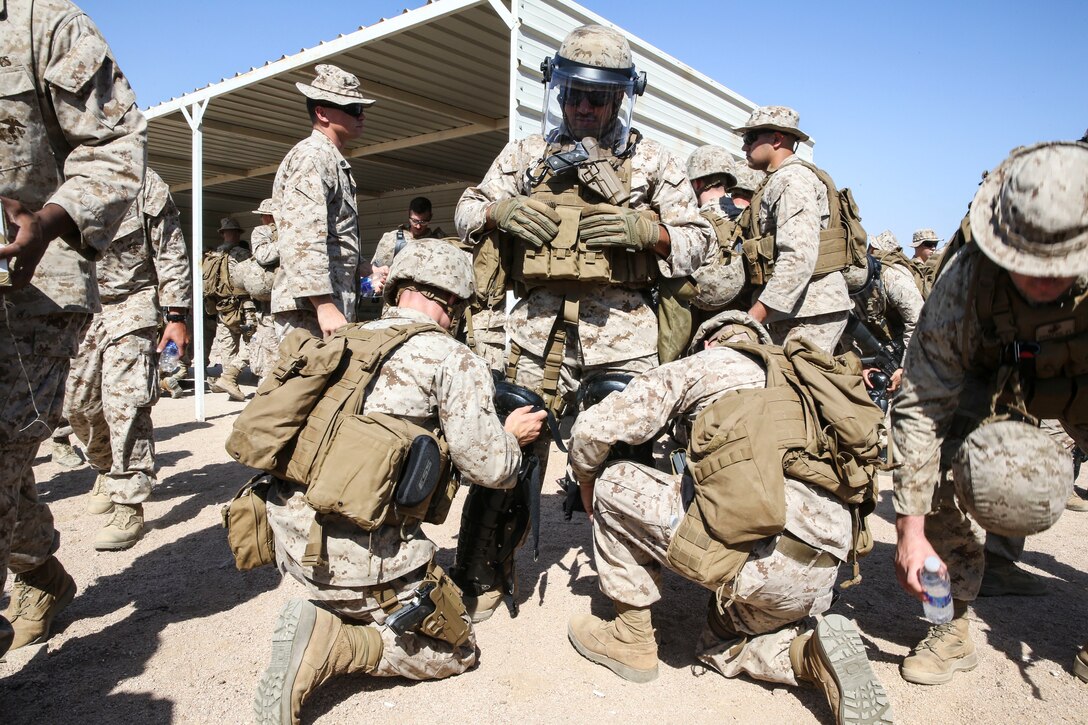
x,y
455,80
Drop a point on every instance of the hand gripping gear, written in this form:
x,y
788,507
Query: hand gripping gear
x,y
527,219
604,225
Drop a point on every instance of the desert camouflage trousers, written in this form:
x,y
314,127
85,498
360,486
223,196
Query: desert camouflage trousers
x,y
108,399
263,346
488,338
410,655
636,511
35,354
823,331
230,348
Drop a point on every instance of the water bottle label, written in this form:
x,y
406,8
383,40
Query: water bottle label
x,y
939,602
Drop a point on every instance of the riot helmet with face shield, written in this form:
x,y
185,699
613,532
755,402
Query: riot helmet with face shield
x,y
590,88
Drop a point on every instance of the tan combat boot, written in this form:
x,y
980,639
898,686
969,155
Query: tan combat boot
x,y
626,645
98,501
1076,502
482,607
64,455
37,596
947,649
228,383
1080,664
832,657
1003,577
309,646
123,530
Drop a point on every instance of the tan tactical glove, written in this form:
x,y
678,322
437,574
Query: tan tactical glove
x,y
614,226
527,219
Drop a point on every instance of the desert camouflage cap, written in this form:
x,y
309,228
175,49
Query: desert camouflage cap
x,y
719,284
336,86
228,222
885,241
1029,215
1012,478
432,262
729,326
264,208
748,179
712,160
597,45
779,118
924,235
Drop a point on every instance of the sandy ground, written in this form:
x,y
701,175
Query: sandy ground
x,y
169,631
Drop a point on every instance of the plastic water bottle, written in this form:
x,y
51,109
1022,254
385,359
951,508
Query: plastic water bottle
x,y
168,359
937,603
366,287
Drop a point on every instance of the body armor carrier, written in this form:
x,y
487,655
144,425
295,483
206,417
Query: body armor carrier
x,y
879,318
571,184
842,244
1032,360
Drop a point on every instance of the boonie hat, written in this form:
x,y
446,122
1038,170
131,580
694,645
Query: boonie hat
x,y
1030,215
924,235
778,118
336,86
228,222
264,208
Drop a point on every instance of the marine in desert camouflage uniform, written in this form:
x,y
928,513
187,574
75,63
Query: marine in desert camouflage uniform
x,y
1029,259
432,381
316,212
794,208
235,314
72,155
597,326
759,624
264,247
114,379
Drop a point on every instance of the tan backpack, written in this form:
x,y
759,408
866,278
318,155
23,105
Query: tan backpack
x,y
305,425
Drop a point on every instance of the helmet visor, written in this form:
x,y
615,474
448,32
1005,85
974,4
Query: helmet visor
x,y
584,101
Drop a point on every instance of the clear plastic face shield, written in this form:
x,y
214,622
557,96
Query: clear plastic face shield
x,y
585,101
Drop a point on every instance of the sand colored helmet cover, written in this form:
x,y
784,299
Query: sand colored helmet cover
x,y
431,262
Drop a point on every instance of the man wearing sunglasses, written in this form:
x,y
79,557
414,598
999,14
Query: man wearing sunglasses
x,y
796,299
318,223
417,226
590,215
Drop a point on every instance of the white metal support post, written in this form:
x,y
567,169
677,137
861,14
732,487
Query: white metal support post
x,y
194,114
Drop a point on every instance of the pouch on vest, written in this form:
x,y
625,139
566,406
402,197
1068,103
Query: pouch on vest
x,y
246,520
674,322
357,471
229,311
737,466
695,553
264,434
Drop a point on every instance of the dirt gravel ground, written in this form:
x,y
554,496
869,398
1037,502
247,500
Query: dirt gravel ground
x,y
170,632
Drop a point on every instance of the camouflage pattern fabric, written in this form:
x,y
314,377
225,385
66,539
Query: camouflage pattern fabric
x,y
263,347
230,347
717,279
823,331
263,244
637,509
437,383
318,228
110,391
903,297
75,92
614,324
948,334
387,245
489,334
794,209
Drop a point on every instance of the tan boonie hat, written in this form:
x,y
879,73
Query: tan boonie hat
x,y
264,208
885,241
228,222
924,235
335,85
748,179
778,118
1030,215
1012,478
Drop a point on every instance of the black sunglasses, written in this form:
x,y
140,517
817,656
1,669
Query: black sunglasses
x,y
928,245
352,109
750,137
575,96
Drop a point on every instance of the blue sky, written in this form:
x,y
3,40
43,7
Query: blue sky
x,y
908,102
